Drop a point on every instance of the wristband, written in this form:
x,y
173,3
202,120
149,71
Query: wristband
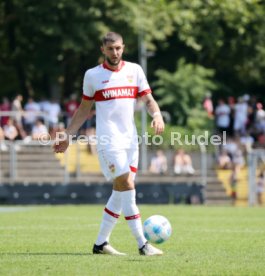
x,y
156,113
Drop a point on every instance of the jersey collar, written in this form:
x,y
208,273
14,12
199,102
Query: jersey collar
x,y
105,65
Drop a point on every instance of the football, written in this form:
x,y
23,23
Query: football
x,y
157,229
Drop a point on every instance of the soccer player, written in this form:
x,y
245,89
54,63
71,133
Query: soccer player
x,y
114,86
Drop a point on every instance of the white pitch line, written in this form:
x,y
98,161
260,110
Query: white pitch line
x,y
45,227
244,231
14,209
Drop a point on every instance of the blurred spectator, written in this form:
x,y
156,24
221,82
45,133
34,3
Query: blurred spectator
x,y
3,147
39,130
10,131
231,146
183,163
260,187
70,107
1,134
32,110
224,160
240,116
222,113
158,163
252,109
247,141
261,139
5,106
45,108
208,104
53,111
44,104
262,126
17,107
246,98
260,118
231,101
260,112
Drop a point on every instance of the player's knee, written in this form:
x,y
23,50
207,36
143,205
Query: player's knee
x,y
124,182
127,185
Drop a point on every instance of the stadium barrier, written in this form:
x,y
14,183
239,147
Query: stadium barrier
x,y
94,193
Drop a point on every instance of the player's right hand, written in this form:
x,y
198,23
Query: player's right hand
x,y
158,124
60,146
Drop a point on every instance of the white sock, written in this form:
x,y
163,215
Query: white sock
x,y
132,215
111,214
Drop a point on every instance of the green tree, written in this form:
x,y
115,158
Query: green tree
x,y
44,41
225,35
182,92
47,45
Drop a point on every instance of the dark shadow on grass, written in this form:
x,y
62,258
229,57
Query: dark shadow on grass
x,y
143,259
138,259
43,254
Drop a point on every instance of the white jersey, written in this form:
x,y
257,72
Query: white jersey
x,y
222,115
115,94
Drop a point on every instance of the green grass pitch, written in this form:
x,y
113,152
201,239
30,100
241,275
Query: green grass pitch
x,y
57,240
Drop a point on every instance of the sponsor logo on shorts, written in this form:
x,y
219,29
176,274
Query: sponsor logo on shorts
x,y
112,168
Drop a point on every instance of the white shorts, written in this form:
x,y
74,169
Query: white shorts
x,y
118,162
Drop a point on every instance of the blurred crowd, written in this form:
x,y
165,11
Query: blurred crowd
x,y
243,117
182,163
243,120
33,119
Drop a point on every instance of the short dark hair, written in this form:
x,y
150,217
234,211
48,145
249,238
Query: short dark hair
x,y
111,37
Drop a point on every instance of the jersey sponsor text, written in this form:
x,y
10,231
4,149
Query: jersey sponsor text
x,y
116,92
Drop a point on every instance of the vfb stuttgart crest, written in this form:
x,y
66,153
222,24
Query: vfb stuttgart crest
x,y
130,78
112,168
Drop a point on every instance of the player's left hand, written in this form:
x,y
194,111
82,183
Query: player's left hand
x,y
60,146
158,124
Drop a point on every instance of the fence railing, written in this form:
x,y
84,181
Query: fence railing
x,y
256,157
18,162
16,159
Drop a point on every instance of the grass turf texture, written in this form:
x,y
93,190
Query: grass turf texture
x,y
57,240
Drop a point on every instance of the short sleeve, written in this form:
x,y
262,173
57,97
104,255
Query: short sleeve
x,y
88,91
142,83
